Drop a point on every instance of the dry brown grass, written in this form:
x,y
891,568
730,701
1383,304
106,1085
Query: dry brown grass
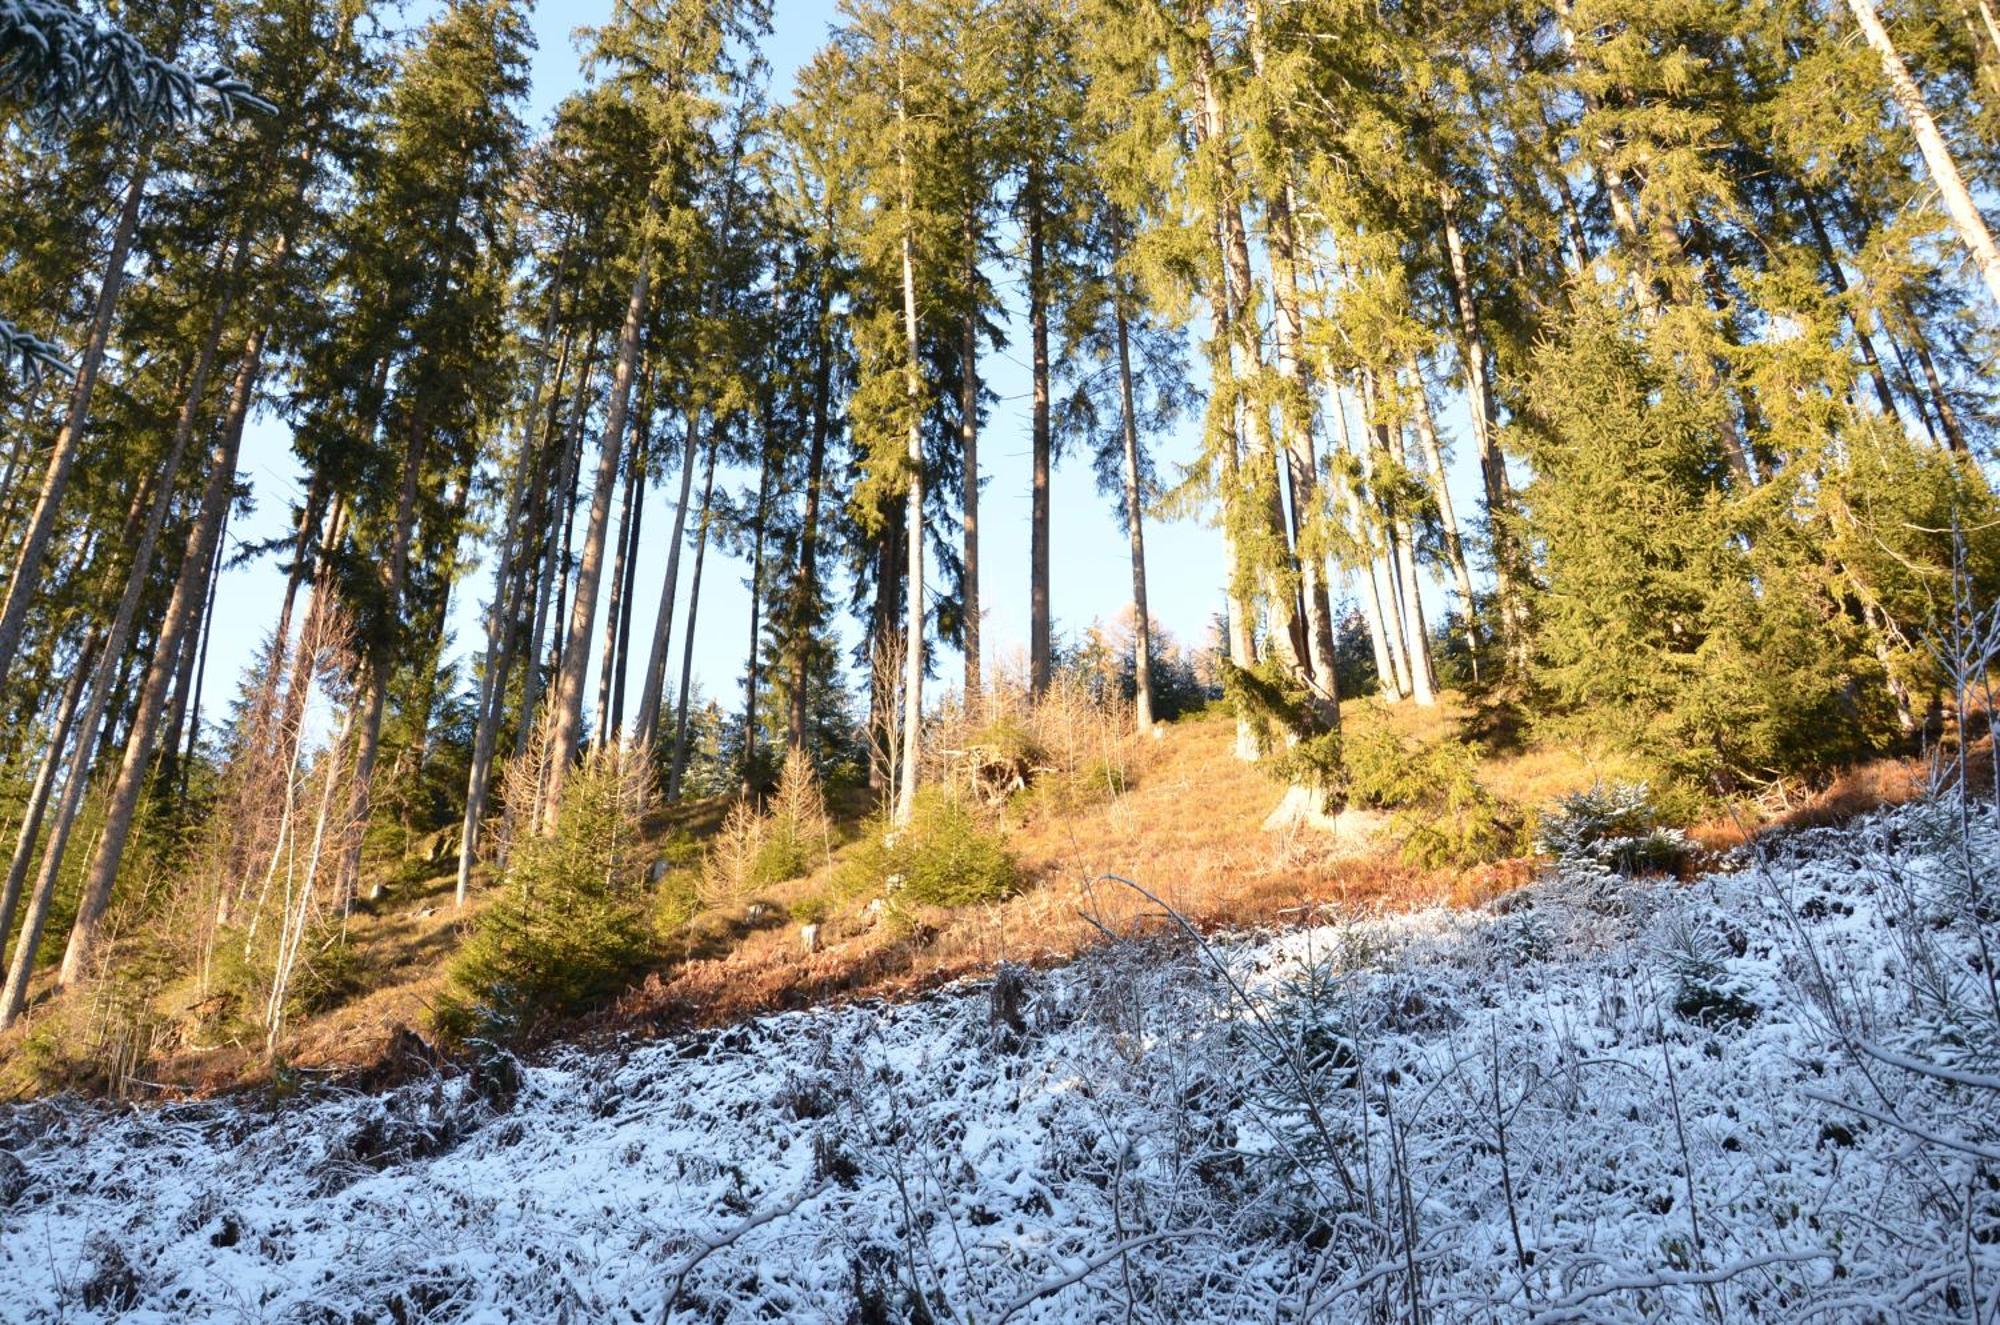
x,y
1186,822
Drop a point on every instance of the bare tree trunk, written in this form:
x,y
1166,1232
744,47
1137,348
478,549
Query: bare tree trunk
x,y
1041,627
611,663
678,769
1416,638
189,589
1507,572
1225,423
501,644
1135,519
1830,259
1295,408
374,698
1288,637
1957,199
805,588
568,728
756,611
555,555
1454,542
1954,431
913,684
968,439
883,650
38,794
646,727
1387,679
34,549
194,651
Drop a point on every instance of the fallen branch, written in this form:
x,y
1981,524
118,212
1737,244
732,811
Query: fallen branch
x,y
1935,1071
1972,1148
1567,1308
712,1245
1082,1272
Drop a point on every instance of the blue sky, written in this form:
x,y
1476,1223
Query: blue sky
x,y
1091,575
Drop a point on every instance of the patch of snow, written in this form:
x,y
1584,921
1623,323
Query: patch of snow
x,y
1766,1095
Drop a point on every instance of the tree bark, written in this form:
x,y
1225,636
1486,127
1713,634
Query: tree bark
x,y
1135,518
568,727
190,587
1387,680
1041,627
1295,407
34,550
646,727
913,642
610,663
38,793
522,492
1454,542
968,440
561,511
1507,572
374,699
805,589
678,769
756,609
1957,199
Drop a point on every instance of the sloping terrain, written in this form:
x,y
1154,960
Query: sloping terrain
x,y
1765,1095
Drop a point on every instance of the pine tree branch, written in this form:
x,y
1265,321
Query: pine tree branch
x,y
67,67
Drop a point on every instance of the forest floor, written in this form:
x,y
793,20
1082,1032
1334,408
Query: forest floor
x,y
1762,1093
1188,824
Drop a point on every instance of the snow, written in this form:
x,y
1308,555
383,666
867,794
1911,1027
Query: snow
x,y
1769,1094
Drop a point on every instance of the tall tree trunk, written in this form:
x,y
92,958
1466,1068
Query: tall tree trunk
x,y
522,493
646,727
1041,628
1295,405
189,589
805,588
1830,259
1224,422
60,729
1454,542
201,646
1387,568
883,655
968,442
628,512
913,598
678,769
1507,572
1947,414
1387,681
373,701
1261,483
34,550
1957,199
568,727
1416,637
554,577
194,653
1135,519
629,580
756,608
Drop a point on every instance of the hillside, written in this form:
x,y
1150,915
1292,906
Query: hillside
x,y
1763,1094
1178,814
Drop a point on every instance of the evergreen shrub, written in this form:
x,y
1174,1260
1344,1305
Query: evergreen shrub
x,y
569,928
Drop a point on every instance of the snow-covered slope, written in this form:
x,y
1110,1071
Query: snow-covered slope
x,y
1768,1095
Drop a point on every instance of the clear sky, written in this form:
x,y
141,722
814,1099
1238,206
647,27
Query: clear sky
x,y
1091,564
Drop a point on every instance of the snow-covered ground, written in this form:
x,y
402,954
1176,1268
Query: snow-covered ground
x,y
1769,1095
